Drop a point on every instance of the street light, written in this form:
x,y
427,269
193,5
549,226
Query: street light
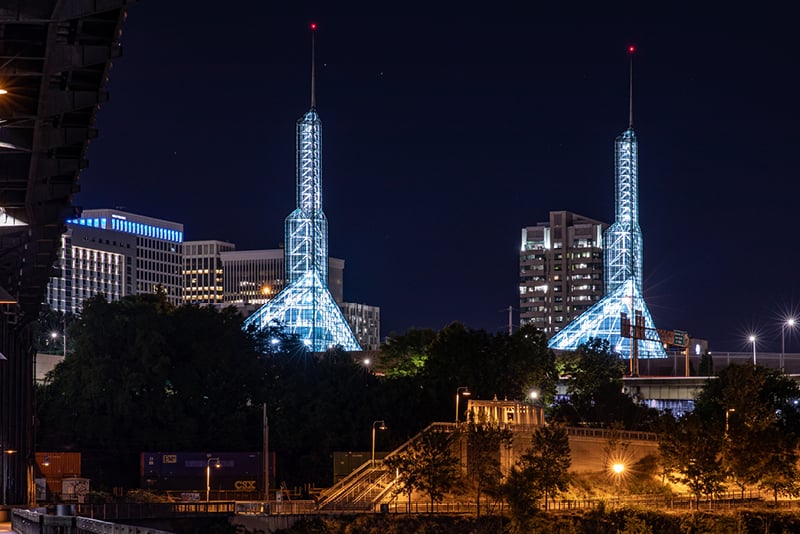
x,y
753,341
4,478
459,391
382,426
54,335
217,465
618,468
790,323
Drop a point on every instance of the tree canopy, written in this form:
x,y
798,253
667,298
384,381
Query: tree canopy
x,y
595,389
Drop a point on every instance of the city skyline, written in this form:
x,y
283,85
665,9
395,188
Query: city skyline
x,y
446,135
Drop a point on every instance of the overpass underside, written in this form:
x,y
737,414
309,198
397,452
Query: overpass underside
x,y
54,62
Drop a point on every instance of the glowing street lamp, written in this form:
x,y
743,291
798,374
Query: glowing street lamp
x,y
463,390
54,335
790,322
619,469
381,426
4,478
752,339
217,465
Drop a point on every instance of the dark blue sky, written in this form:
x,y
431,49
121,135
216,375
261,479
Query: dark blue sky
x,y
445,133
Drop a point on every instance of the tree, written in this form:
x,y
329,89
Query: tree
x,y
706,367
484,443
522,495
690,455
779,467
541,471
406,354
549,458
432,466
145,375
438,466
404,464
754,409
595,389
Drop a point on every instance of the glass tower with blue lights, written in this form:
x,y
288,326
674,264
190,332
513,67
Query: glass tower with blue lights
x,y
305,307
622,264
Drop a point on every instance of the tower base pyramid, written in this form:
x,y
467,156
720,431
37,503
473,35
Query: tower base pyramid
x,y
307,309
602,321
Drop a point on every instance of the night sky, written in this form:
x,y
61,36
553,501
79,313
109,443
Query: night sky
x,y
445,133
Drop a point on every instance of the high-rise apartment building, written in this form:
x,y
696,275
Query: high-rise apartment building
x,y
561,270
202,271
117,253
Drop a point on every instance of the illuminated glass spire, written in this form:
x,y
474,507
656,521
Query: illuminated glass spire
x,y
306,307
622,264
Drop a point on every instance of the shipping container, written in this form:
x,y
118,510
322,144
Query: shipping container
x,y
186,471
54,467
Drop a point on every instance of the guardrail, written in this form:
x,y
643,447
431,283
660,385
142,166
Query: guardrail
x,y
156,510
34,522
625,435
276,507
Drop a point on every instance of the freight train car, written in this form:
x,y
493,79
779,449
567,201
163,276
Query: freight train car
x,y
230,474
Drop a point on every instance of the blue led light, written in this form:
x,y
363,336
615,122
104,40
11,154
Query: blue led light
x,y
130,227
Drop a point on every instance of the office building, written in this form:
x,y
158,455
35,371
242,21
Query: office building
x,y
116,253
202,271
255,276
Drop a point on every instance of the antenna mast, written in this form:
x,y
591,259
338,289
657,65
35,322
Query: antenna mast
x,y
313,67
631,50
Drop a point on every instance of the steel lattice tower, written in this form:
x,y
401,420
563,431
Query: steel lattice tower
x,y
306,307
622,263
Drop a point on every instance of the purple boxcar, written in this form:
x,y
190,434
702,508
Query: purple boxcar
x,y
238,471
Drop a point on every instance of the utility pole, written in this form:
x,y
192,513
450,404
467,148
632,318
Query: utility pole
x,y
266,454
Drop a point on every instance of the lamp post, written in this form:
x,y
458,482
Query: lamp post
x,y
618,469
753,341
54,335
217,465
727,414
463,390
382,426
790,323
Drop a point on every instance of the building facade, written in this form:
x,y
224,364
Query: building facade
x,y
561,270
255,276
117,254
202,271
365,321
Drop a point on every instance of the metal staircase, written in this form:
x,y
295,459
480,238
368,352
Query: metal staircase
x,y
369,484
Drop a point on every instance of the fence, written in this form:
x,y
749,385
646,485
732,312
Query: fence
x,y
34,522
